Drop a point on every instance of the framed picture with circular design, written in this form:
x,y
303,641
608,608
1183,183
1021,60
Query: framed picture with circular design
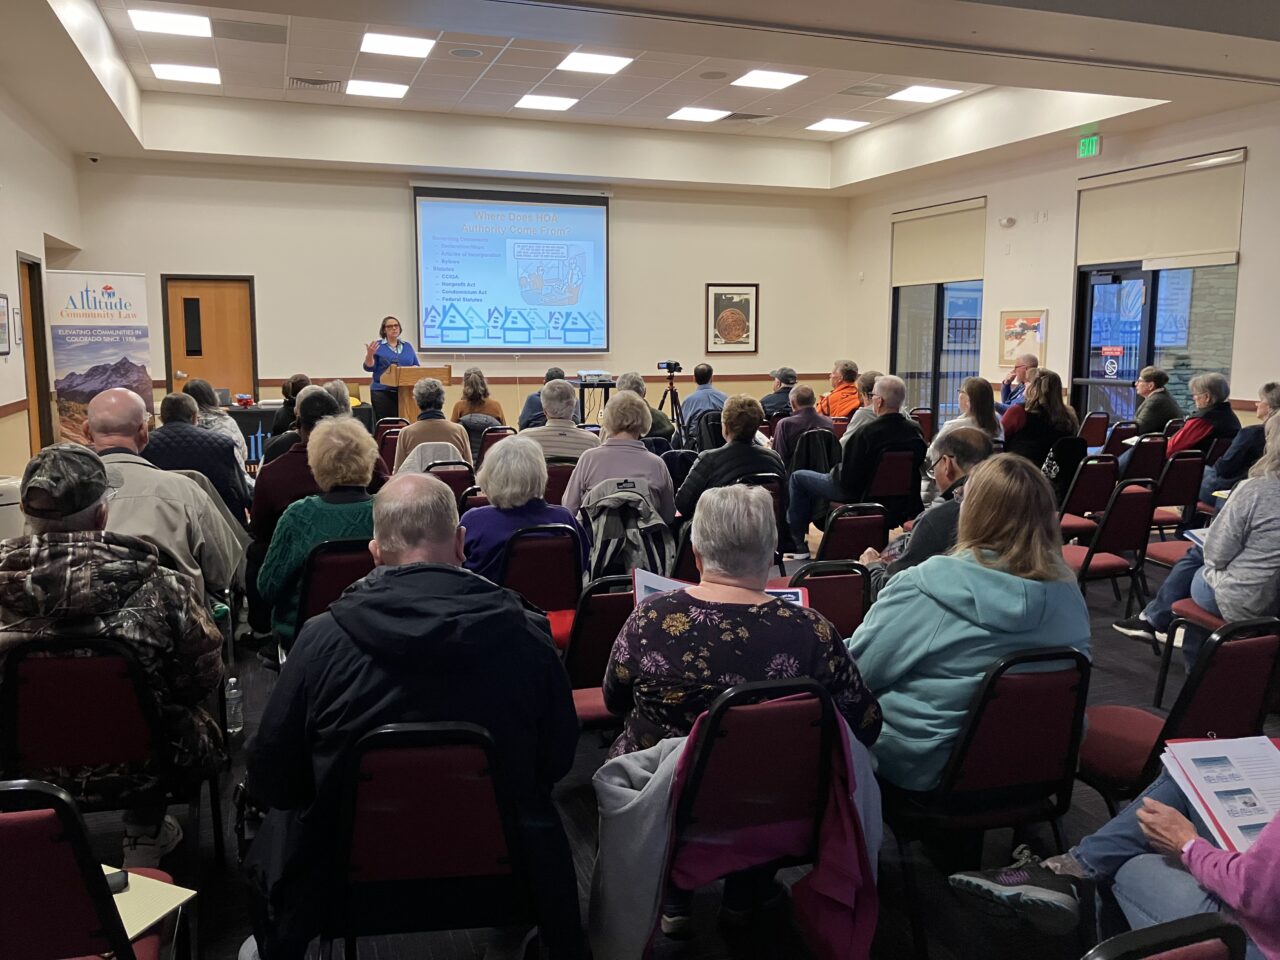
x,y
733,317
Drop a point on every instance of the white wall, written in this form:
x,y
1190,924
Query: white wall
x,y
38,196
332,254
1032,265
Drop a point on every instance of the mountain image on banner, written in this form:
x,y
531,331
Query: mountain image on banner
x,y
83,387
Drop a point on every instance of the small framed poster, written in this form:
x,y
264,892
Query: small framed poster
x,y
733,317
6,338
1021,332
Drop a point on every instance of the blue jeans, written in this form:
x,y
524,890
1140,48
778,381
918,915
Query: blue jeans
x,y
1150,888
804,488
1186,579
1122,463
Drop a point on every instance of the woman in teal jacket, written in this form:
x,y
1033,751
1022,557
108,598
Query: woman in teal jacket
x,y
936,628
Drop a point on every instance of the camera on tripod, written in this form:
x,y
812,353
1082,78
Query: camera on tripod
x,y
671,366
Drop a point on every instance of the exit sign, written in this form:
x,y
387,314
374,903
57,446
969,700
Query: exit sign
x,y
1089,147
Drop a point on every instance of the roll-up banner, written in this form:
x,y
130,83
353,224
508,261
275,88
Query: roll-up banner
x,y
100,337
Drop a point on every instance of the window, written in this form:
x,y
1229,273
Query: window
x,y
936,342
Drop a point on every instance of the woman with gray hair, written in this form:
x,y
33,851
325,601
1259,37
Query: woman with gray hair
x,y
626,420
1213,419
661,425
1245,450
514,478
431,426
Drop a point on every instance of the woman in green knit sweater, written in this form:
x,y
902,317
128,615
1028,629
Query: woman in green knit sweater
x,y
341,455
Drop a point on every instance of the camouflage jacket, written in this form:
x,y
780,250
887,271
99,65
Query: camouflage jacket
x,y
64,586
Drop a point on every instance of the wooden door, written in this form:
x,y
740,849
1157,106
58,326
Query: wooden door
x,y
209,332
42,411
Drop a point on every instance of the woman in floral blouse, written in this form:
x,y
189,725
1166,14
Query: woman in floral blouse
x,y
679,651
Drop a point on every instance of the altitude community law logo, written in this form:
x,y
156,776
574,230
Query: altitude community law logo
x,y
97,303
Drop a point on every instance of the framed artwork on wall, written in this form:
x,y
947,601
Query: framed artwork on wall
x,y
1021,332
6,338
733,317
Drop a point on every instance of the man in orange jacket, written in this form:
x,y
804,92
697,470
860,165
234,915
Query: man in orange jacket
x,y
843,398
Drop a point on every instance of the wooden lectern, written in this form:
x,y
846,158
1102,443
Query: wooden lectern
x,y
403,379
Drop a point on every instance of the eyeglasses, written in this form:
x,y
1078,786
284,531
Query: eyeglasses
x,y
934,465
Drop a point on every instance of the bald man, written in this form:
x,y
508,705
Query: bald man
x,y
166,509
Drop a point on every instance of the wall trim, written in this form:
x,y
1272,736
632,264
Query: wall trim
x,y
15,406
534,379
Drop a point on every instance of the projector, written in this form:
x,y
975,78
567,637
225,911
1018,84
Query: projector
x,y
594,376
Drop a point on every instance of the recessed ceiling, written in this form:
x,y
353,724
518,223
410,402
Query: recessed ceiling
x,y
264,55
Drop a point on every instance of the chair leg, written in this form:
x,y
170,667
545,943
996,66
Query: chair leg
x,y
1115,586
918,938
1056,826
215,816
192,839
1166,657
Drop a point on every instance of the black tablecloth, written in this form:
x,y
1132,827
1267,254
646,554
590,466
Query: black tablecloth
x,y
255,424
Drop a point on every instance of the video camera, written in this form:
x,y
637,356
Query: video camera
x,y
670,366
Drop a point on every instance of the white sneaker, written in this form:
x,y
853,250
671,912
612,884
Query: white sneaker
x,y
798,555
248,950
141,850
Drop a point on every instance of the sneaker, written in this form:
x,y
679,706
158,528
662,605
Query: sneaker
x,y
798,555
1137,628
141,850
1031,891
677,926
249,950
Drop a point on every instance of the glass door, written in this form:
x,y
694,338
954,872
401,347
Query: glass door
x,y
1112,339
936,342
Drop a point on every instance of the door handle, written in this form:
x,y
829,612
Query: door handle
x,y
179,373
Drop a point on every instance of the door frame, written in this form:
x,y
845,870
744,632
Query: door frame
x,y
164,310
1079,388
36,348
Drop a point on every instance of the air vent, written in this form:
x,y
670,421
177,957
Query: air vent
x,y
251,32
748,117
713,75
871,89
466,53
306,83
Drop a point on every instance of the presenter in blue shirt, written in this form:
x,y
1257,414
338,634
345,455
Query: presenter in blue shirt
x,y
380,354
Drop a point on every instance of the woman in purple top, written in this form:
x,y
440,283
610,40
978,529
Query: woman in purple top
x,y
514,478
1156,860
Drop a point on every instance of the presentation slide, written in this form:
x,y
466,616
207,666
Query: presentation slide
x,y
517,273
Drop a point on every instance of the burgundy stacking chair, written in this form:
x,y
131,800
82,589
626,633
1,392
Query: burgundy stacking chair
x,y
1089,493
458,474
896,479
840,590
1093,429
1226,695
1201,936
54,900
1120,431
1173,426
559,470
1178,489
685,568
852,528
1148,458
924,417
1123,529
427,837
1013,762
776,484
1216,450
543,564
472,497
331,567
385,424
387,446
839,425
603,608
491,436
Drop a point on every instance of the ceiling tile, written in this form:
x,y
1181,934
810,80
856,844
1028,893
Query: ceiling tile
x,y
361,72
356,28
453,66
553,46
334,58
560,90
444,51
572,84
443,82
472,38
491,100
629,81
331,39
525,75
661,69
603,95
513,87
515,57
245,51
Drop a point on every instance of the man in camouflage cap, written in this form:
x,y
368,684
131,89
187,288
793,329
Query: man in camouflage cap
x,y
71,579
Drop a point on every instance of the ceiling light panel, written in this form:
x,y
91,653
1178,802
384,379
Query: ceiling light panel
x,y
922,94
698,114
769,79
374,88
185,74
534,102
396,46
179,24
835,125
593,63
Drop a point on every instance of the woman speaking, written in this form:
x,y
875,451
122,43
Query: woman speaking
x,y
380,354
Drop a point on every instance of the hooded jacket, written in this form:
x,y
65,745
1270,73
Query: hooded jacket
x,y
416,643
931,636
63,586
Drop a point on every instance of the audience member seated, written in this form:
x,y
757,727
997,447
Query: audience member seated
x,y
1032,427
953,454
532,414
178,444
1013,386
1156,860
843,398
167,509
431,426
1158,406
213,417
1212,419
738,458
476,399
938,627
418,640
341,454
283,420
514,478
70,574
804,417
1245,450
865,414
622,455
662,425
976,400
680,650
850,480
778,402
704,399
282,442
1237,574
560,436
338,390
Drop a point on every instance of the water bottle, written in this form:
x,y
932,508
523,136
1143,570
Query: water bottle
x,y
235,707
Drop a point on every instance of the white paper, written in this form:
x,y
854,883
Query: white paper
x,y
145,902
1234,785
647,584
1196,536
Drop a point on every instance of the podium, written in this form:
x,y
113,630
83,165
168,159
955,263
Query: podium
x,y
403,379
